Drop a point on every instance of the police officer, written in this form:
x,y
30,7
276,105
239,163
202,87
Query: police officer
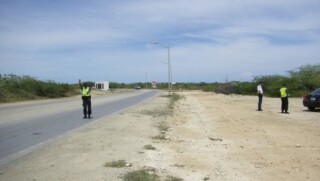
x,y
284,99
86,99
260,95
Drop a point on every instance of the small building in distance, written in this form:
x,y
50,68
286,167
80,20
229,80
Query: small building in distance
x,y
154,84
102,85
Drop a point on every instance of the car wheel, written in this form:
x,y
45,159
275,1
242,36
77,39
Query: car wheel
x,y
311,108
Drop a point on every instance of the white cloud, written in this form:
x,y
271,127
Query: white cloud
x,y
209,39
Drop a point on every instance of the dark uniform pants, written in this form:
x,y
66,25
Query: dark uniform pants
x,y
284,104
260,101
86,102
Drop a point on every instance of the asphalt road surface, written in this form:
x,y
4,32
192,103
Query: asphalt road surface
x,y
26,126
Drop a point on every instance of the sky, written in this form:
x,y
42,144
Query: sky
x,y
111,40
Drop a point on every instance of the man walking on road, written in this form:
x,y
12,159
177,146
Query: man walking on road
x,y
86,99
260,95
284,99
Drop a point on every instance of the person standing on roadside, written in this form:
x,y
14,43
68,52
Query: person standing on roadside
x,y
86,99
260,95
284,99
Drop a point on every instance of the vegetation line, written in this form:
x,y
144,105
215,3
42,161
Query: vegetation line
x,y
299,82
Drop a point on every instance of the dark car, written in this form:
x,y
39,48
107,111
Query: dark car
x,y
312,100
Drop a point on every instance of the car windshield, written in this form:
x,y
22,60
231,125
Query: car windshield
x,y
317,91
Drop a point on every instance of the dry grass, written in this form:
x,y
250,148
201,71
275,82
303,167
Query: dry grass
x,y
116,164
149,147
142,175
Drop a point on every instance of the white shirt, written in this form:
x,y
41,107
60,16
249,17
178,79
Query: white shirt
x,y
259,89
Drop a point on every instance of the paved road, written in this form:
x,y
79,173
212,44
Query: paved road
x,y
26,126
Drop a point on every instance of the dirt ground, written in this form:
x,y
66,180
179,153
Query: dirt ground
x,y
208,137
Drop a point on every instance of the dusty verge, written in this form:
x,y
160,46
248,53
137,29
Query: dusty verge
x,y
208,137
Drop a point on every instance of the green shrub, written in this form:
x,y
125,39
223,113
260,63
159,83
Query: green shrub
x,y
116,164
13,88
142,175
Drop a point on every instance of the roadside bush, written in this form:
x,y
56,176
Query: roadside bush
x,y
246,88
299,81
15,88
307,76
227,88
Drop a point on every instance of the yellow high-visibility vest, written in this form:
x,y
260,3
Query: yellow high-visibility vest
x,y
85,91
283,92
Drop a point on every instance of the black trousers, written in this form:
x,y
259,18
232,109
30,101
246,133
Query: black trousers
x,y
284,104
86,103
260,101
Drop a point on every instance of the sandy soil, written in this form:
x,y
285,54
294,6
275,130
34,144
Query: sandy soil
x,y
210,137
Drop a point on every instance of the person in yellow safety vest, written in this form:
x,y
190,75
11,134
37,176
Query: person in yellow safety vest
x,y
86,99
284,99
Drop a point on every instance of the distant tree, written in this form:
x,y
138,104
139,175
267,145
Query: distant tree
x,y
307,76
246,88
272,83
227,88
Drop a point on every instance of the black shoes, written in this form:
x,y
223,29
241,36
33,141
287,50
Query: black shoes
x,y
85,116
